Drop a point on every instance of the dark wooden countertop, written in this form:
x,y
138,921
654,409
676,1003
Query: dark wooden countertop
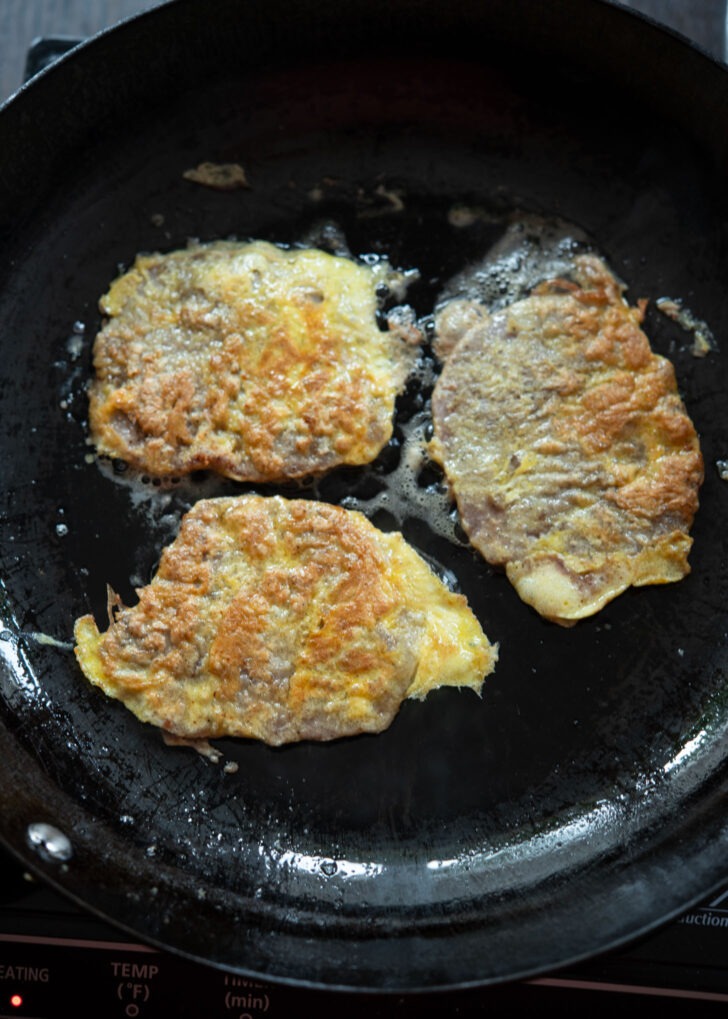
x,y
21,21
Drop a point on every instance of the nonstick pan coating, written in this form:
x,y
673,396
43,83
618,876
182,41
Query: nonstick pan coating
x,y
580,802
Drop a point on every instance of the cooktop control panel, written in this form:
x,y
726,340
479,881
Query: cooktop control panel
x,y
56,959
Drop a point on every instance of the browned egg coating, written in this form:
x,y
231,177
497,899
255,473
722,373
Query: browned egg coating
x,y
249,360
283,620
571,457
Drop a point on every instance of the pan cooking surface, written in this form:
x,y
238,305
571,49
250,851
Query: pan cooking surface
x,y
577,803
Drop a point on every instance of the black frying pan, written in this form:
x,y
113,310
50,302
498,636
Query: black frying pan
x,y
581,802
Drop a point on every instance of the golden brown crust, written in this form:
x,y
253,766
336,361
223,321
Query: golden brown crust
x,y
246,359
283,620
569,452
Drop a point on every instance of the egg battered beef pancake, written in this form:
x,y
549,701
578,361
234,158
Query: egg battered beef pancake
x,y
570,455
283,620
246,359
